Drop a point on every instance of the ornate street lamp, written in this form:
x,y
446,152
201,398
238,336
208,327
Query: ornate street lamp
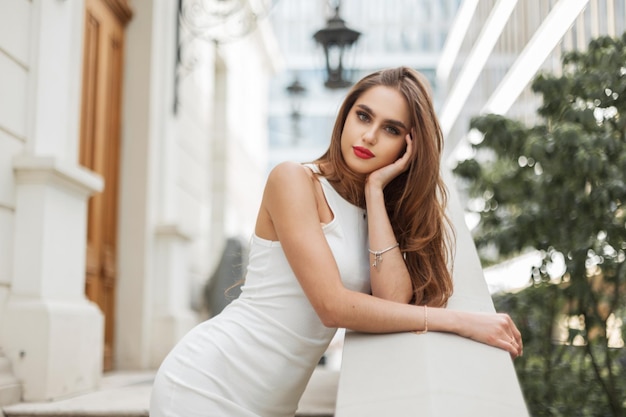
x,y
214,21
296,91
337,39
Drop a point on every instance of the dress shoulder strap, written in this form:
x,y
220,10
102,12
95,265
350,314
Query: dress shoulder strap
x,y
313,167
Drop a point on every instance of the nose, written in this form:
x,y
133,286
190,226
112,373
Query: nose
x,y
369,136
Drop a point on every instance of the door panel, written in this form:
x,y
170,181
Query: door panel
x,y
99,151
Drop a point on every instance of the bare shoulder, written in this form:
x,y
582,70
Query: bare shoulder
x,y
288,190
289,175
290,187
297,189
290,170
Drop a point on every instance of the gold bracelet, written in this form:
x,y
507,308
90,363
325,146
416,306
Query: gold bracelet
x,y
425,330
378,254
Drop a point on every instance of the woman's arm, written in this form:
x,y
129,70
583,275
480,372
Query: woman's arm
x,y
389,276
289,201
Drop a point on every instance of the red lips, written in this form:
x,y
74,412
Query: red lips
x,y
362,152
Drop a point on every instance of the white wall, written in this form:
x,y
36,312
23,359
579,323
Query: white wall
x,y
49,331
190,179
167,246
14,50
247,147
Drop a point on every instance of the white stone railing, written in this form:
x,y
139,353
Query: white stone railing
x,y
434,374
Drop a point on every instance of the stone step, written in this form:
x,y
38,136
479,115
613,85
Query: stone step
x,y
121,394
10,388
127,394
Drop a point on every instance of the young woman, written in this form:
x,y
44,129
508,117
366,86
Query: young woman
x,y
358,239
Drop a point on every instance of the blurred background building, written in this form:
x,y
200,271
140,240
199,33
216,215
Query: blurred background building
x,y
135,138
393,33
493,52
496,48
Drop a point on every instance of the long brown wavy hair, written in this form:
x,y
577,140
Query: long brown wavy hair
x,y
416,199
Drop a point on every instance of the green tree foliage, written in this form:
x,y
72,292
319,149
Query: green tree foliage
x,y
560,187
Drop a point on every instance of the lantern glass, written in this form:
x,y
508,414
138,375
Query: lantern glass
x,y
336,39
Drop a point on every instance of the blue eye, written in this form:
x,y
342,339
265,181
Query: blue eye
x,y
393,130
364,117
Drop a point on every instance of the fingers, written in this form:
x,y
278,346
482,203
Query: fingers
x,y
517,337
513,338
497,330
507,336
403,161
515,348
509,344
409,145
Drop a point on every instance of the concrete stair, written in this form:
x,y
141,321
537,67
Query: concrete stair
x,y
127,394
10,388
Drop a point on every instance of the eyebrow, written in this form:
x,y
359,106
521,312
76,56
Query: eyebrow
x,y
390,121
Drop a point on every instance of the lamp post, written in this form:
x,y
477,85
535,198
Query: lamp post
x,y
336,38
296,91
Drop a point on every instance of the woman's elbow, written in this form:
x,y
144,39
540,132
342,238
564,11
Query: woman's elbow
x,y
332,310
329,315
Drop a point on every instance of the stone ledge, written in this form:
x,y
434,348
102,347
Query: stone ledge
x,y
31,169
431,375
127,394
121,394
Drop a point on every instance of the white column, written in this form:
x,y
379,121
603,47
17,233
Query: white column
x,y
138,174
55,78
153,255
51,333
171,298
172,317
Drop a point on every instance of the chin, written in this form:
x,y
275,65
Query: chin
x,y
351,165
359,169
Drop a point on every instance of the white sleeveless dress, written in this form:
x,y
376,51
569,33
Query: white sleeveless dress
x,y
256,357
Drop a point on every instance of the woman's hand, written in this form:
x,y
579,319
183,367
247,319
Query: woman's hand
x,y
495,330
389,280
383,176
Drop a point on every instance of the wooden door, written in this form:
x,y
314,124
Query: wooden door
x,y
100,150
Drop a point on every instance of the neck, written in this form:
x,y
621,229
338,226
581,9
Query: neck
x,y
349,185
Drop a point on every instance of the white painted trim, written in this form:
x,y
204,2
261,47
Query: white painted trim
x,y
595,23
475,63
175,231
562,16
455,37
47,169
610,17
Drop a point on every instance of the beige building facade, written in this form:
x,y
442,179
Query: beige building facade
x,y
130,149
